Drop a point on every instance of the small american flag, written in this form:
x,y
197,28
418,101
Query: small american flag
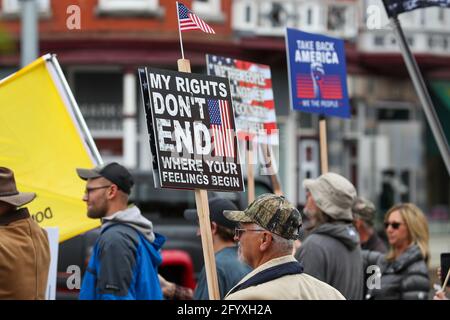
x,y
189,21
220,119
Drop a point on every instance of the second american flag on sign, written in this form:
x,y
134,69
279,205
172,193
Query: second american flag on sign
x,y
220,115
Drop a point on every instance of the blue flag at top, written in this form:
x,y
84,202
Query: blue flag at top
x,y
317,74
395,7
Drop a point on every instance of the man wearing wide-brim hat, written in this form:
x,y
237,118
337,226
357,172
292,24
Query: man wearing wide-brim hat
x,y
331,252
24,247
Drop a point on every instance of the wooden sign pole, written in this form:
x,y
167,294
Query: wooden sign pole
x,y
250,173
273,175
323,144
201,201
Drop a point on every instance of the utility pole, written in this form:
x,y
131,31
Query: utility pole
x,y
29,37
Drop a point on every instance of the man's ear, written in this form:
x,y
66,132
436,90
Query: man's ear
x,y
112,192
266,241
213,227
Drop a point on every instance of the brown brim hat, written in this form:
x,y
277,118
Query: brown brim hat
x,y
9,192
333,194
271,212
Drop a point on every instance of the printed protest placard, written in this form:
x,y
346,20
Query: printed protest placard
x,y
143,81
251,90
317,74
193,131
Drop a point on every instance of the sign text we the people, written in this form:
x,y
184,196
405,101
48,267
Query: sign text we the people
x,y
193,126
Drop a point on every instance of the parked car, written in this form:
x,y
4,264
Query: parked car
x,y
182,253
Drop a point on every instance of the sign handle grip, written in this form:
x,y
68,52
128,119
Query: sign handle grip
x,y
323,145
201,200
250,173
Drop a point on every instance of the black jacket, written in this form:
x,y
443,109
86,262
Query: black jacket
x,y
406,278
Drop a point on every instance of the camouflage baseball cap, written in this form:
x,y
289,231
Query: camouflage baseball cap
x,y
273,213
364,209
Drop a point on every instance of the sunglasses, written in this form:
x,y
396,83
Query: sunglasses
x,y
394,225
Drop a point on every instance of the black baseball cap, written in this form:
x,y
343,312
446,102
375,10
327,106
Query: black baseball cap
x,y
216,208
114,172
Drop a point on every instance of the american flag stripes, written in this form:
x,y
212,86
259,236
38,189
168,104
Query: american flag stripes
x,y
189,21
221,130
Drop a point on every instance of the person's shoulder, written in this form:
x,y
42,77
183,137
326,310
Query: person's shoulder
x,y
321,287
418,267
119,233
314,242
227,260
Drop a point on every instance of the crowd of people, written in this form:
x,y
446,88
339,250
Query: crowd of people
x,y
258,251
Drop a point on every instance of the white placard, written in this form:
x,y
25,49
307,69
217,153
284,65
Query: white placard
x,y
53,239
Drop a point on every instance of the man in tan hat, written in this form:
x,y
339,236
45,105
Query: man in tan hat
x,y
331,252
266,233
24,248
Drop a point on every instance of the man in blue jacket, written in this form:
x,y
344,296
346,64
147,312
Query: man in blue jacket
x,y
125,259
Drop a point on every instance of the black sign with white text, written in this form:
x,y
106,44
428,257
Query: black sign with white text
x,y
193,130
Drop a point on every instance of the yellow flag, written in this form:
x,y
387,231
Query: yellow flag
x,y
43,139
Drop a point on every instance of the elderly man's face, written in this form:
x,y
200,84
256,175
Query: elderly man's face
x,y
248,235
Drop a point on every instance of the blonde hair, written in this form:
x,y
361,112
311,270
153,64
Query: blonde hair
x,y
417,226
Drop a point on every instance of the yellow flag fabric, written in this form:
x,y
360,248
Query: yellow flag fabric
x,y
42,143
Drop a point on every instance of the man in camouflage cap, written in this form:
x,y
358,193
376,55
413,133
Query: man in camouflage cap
x,y
363,218
266,233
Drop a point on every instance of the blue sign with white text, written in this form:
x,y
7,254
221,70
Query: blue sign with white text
x,y
317,74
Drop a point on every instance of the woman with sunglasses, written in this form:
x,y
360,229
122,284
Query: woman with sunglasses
x,y
404,271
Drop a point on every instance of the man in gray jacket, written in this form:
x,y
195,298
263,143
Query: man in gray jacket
x,y
331,252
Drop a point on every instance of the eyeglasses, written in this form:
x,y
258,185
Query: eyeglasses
x,y
239,231
395,225
88,190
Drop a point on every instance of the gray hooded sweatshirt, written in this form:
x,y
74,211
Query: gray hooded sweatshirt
x,y
131,217
332,253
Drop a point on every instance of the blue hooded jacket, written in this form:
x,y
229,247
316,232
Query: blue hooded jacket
x,y
125,259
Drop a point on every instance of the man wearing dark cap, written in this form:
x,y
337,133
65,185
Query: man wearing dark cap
x,y
125,259
266,233
363,218
24,248
229,269
331,252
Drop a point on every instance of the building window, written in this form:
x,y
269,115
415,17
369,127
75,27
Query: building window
x,y
309,18
278,15
378,41
248,14
441,15
437,42
101,106
13,6
127,7
209,10
410,41
336,20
